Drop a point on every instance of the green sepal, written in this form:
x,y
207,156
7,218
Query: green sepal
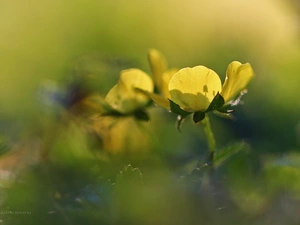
x,y
198,116
180,120
216,103
141,115
224,114
180,112
225,109
113,113
177,110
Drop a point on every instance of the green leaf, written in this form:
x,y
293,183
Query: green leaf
x,y
177,110
198,116
216,103
129,178
221,156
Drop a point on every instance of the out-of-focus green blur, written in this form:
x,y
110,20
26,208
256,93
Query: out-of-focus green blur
x,y
46,39
44,43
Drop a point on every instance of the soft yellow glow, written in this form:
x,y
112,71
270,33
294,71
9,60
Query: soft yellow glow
x,y
122,134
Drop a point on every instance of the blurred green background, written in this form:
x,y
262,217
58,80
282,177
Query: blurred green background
x,y
55,41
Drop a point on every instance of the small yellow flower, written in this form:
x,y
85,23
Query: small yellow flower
x,y
124,97
122,134
194,89
199,90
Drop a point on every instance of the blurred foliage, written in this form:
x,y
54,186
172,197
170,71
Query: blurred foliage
x,y
61,162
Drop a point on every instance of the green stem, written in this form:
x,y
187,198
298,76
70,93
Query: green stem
x,y
210,138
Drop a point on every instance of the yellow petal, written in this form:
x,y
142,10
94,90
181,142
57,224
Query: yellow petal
x,y
119,100
158,66
158,99
238,76
166,77
135,78
193,89
123,97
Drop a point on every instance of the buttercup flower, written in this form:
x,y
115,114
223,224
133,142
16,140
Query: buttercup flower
x,y
125,104
199,90
124,97
194,89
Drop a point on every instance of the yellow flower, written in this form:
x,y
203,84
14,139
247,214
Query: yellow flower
x,y
160,74
194,89
124,98
122,134
199,90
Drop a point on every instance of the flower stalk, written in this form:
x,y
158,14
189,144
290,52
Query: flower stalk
x,y
210,138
